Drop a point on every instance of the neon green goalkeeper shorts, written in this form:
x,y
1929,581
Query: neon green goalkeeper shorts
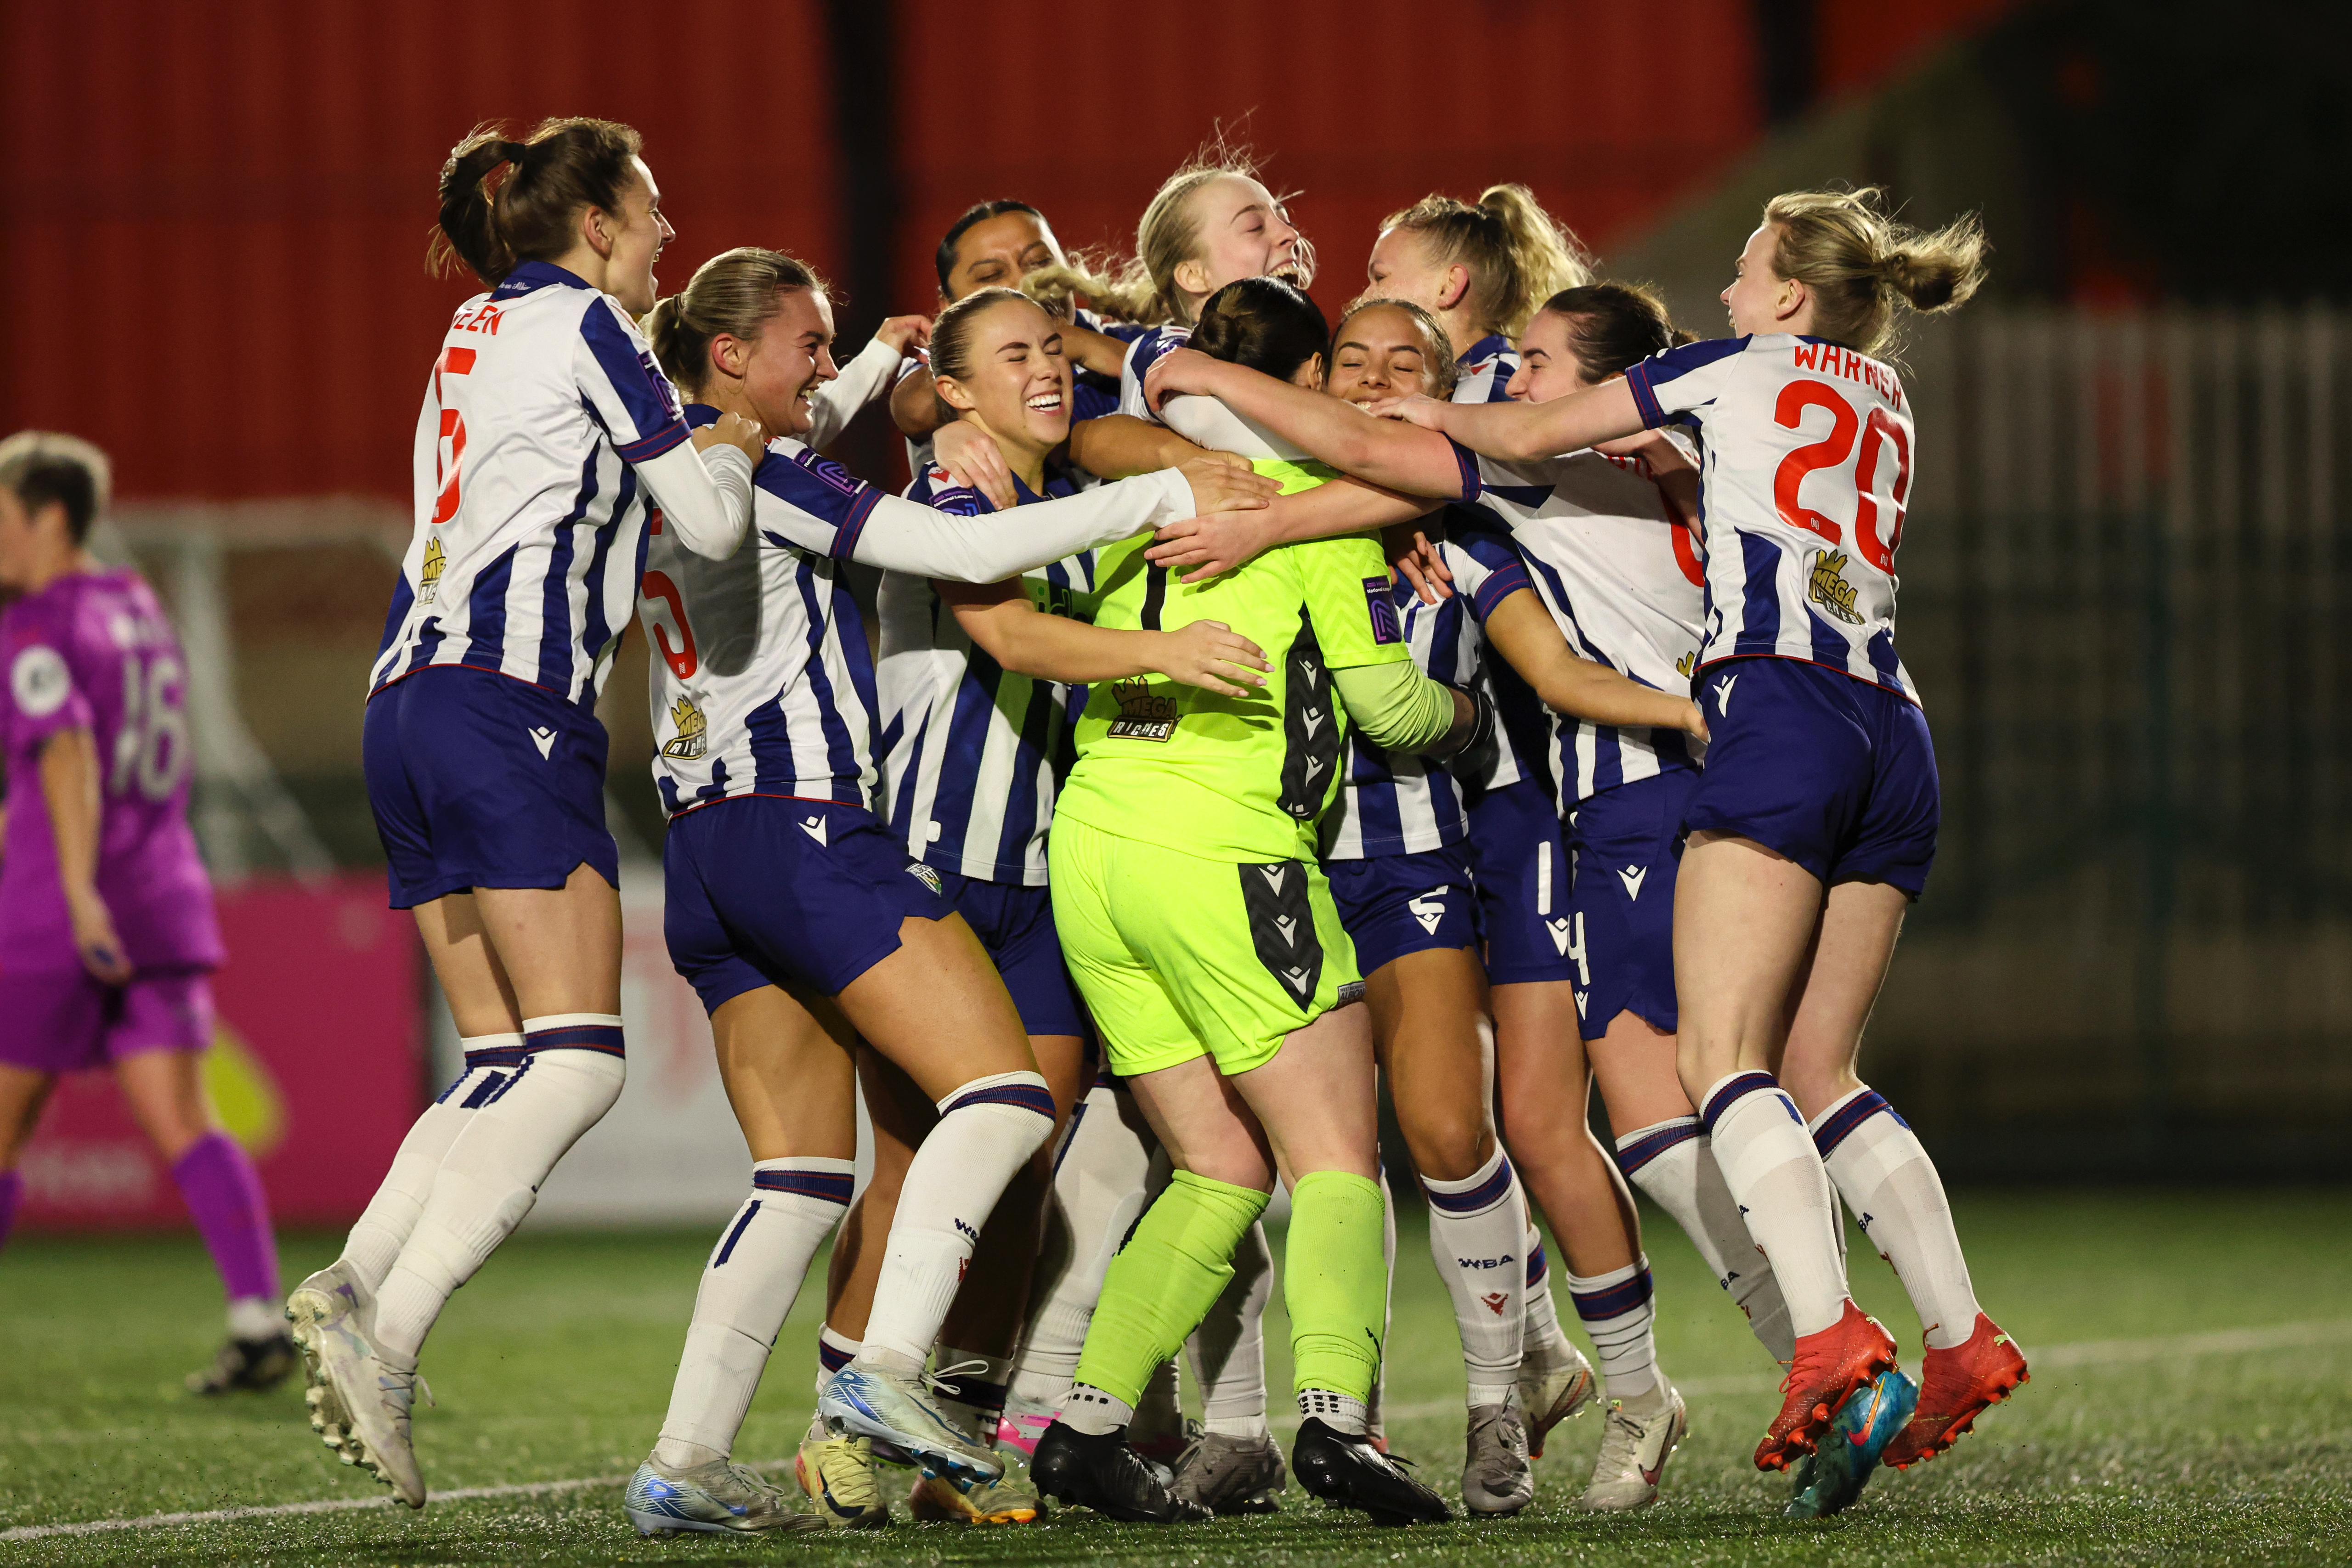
x,y
1179,957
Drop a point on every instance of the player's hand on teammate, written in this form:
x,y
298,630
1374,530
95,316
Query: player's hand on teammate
x,y
1425,412
733,430
1418,562
96,940
972,460
1211,655
905,334
1695,722
1179,371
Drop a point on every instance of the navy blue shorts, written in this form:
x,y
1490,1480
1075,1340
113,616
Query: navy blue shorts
x,y
1015,923
1626,845
1835,774
477,779
763,890
1396,904
1520,860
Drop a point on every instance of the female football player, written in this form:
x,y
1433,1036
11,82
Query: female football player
x,y
107,938
546,433
1813,824
798,916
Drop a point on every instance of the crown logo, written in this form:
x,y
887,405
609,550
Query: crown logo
x,y
428,576
1142,715
693,737
1830,590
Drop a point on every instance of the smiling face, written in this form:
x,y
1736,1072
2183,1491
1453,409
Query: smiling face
x,y
1549,367
791,358
637,232
1016,380
1242,232
1760,299
1402,269
998,252
1381,353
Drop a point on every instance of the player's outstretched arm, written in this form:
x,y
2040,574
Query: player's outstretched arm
x,y
69,789
1398,708
1524,632
1525,432
900,535
1207,545
1119,446
866,377
1000,620
1397,456
704,489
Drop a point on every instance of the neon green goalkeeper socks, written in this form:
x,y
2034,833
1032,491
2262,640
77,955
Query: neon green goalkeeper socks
x,y
1335,1283
1166,1277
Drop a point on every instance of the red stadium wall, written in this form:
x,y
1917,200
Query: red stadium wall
x,y
216,212
317,1065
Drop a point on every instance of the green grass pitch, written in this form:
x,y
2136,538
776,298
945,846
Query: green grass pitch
x,y
2191,1401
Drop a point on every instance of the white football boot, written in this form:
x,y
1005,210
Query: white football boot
x,y
1636,1442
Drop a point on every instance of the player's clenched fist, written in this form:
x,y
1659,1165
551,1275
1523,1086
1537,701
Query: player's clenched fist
x,y
733,430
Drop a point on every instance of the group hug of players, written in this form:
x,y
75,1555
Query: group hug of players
x,y
1346,702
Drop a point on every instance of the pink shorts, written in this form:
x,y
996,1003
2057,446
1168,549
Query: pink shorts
x,y
66,1020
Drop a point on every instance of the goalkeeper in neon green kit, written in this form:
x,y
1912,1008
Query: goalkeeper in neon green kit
x,y
1199,927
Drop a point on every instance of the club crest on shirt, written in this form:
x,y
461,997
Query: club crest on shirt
x,y
39,682
693,737
1141,714
428,576
1829,589
929,879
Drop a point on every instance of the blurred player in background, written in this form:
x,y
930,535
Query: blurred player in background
x,y
107,938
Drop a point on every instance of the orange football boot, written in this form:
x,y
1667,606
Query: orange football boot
x,y
1829,1367
1956,1386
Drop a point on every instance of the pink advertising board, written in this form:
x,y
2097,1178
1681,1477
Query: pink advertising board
x,y
318,1065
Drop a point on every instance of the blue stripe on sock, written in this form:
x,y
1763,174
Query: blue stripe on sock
x,y
1538,1266
1614,1302
831,1186
1027,1096
743,1223
605,1038
1650,1146
831,1359
1483,1197
1850,1116
1733,1090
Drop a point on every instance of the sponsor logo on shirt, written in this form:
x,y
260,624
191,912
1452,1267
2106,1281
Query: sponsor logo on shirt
x,y
1828,587
39,682
1385,626
428,576
1141,714
693,737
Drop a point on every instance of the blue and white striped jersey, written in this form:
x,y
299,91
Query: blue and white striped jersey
x,y
973,754
1092,395
1483,373
762,683
530,518
1806,472
1523,739
1141,355
1392,805
1621,576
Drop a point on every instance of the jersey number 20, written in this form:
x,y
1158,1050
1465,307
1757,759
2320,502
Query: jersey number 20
x,y
1830,451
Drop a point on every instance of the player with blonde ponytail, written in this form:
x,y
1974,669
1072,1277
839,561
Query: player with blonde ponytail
x,y
1813,825
1481,270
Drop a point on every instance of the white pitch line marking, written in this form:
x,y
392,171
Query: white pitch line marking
x,y
2084,1352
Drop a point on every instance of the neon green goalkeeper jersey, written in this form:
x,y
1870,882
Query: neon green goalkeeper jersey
x,y
1232,778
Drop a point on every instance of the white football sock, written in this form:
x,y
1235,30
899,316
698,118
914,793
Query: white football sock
x,y
1228,1350
1101,1184
383,1225
1772,1169
1618,1310
835,1350
490,1176
1091,1411
256,1317
1158,1410
986,1132
1477,1235
1340,1412
1544,1343
748,1288
1891,1185
1673,1163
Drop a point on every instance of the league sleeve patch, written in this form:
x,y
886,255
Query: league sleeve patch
x,y
39,682
1386,628
832,473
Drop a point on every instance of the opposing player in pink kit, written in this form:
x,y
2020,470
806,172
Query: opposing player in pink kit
x,y
107,938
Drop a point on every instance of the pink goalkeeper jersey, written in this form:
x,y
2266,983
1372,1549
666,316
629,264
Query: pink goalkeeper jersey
x,y
92,651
